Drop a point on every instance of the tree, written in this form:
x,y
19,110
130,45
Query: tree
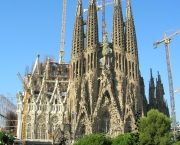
x,y
155,129
94,139
125,139
176,143
6,138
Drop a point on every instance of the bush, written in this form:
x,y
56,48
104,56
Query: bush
x,y
94,139
6,138
126,139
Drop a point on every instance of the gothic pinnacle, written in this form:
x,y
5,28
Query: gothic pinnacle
x,y
92,1
128,10
116,2
151,73
79,8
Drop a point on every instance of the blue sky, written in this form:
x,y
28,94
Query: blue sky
x,y
33,26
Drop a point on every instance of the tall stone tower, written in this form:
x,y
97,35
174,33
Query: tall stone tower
x,y
156,95
105,91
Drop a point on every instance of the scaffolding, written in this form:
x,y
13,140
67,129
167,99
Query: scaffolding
x,y
8,118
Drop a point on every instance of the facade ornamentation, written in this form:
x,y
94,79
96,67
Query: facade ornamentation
x,y
103,89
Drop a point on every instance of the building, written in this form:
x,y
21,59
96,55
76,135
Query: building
x,y
156,95
100,91
8,116
48,85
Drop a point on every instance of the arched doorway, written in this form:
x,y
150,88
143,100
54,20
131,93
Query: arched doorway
x,y
105,123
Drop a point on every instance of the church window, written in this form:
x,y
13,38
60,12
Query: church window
x,y
136,71
73,69
105,122
88,62
38,132
95,60
80,68
133,69
91,60
43,132
84,65
77,69
126,66
29,118
120,61
29,131
29,100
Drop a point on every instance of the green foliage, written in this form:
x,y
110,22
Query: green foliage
x,y
176,143
101,139
94,139
155,129
121,139
6,138
125,139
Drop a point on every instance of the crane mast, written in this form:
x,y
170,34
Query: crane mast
x,y
167,41
103,18
61,57
25,113
100,6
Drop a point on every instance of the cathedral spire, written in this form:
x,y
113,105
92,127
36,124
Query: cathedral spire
x,y
78,35
152,101
129,10
79,8
118,26
92,1
159,77
151,73
159,90
151,82
92,26
116,2
131,42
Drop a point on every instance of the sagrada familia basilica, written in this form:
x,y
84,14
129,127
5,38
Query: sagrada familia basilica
x,y
100,91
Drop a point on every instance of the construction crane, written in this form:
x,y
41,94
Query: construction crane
x,y
103,18
177,90
167,41
26,98
101,6
61,57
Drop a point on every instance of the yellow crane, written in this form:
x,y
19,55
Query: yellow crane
x,y
167,41
27,95
61,57
25,108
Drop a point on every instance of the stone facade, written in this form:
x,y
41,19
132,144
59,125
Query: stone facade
x,y
100,91
104,95
48,84
106,89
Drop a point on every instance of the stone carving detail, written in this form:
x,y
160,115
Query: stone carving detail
x,y
55,119
41,119
105,85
